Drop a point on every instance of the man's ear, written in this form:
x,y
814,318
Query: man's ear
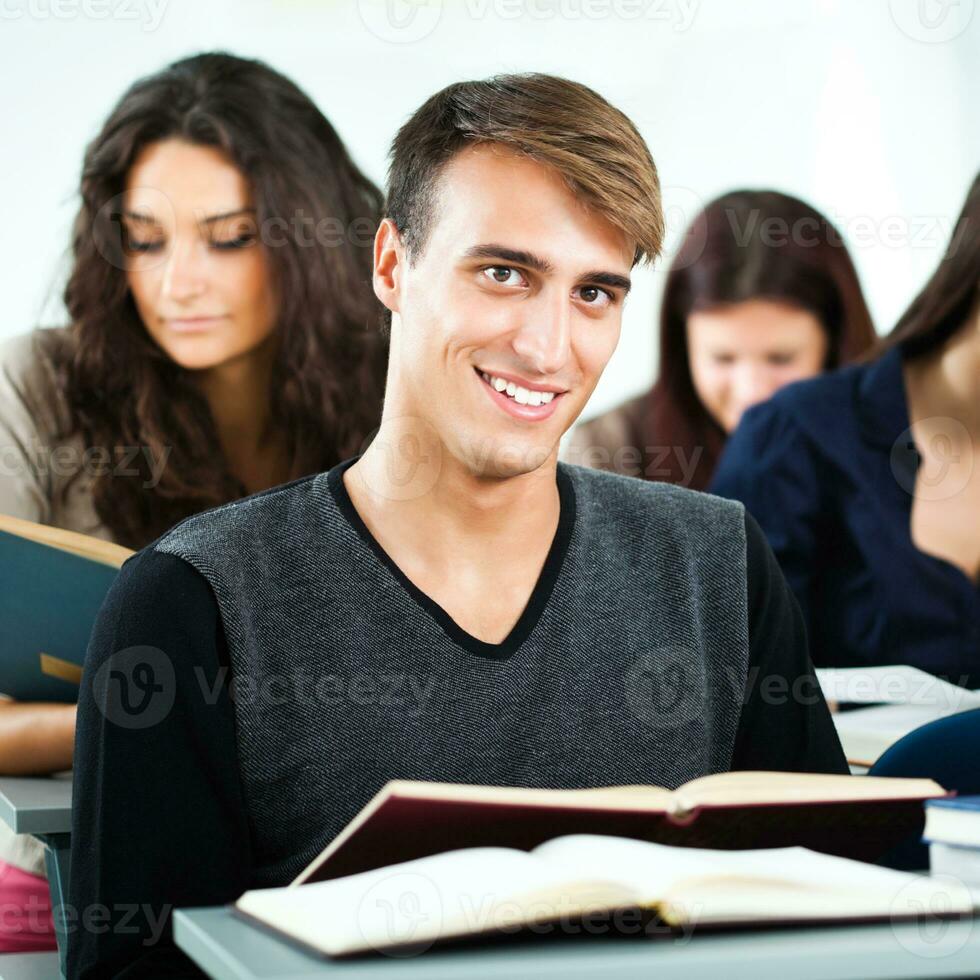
x,y
389,257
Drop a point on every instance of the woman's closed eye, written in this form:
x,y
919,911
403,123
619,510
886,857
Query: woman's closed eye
x,y
242,240
781,359
134,244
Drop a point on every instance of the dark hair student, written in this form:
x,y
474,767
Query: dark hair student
x,y
867,483
222,339
136,367
762,292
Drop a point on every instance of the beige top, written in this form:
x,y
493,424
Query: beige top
x,y
34,466
611,441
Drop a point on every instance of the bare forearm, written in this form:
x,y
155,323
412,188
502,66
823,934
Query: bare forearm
x,y
36,738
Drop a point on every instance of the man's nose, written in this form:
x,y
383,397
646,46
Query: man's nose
x,y
544,339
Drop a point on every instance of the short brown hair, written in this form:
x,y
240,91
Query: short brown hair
x,y
557,122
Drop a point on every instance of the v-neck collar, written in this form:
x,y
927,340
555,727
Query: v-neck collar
x,y
539,595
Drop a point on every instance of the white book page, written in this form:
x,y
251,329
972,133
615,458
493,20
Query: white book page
x,y
762,883
898,684
448,894
866,733
653,869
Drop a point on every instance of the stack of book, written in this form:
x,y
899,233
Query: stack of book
x,y
953,834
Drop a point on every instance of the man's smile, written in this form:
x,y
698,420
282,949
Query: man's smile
x,y
524,401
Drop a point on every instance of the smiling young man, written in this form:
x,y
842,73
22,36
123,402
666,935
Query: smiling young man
x,y
453,604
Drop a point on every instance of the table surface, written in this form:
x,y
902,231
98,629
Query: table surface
x,y
36,805
229,949
28,966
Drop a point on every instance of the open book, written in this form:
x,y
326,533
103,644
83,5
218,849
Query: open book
x,y
851,816
53,583
487,890
900,699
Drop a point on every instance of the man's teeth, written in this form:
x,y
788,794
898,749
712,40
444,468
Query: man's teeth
x,y
523,396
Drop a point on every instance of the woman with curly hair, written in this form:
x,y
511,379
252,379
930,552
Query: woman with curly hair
x,y
223,339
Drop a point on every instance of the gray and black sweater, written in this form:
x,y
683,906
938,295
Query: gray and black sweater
x,y
259,672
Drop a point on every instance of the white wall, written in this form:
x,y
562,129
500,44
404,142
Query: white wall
x,y
867,108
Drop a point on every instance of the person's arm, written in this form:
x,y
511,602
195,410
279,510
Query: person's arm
x,y
25,487
36,738
770,466
158,818
785,723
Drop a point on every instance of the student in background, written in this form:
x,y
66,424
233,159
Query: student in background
x,y
867,484
223,340
761,293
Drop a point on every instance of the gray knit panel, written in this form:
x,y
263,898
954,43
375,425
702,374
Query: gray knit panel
x,y
634,673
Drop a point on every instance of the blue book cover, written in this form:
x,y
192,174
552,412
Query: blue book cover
x,y
954,821
49,598
957,803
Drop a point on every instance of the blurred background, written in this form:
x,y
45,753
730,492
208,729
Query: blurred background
x,y
867,109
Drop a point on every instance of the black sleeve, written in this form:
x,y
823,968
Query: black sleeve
x,y
158,818
785,723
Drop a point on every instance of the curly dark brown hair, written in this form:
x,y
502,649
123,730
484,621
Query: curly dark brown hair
x,y
123,390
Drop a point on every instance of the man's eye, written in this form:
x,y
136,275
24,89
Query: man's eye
x,y
503,274
594,296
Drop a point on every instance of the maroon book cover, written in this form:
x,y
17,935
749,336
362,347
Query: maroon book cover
x,y
399,827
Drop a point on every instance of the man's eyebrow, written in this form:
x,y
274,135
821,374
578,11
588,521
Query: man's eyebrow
x,y
610,279
529,260
515,255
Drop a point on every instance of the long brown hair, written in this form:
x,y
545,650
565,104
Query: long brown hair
x,y
745,245
328,379
944,305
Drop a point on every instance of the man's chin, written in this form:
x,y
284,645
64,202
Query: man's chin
x,y
498,458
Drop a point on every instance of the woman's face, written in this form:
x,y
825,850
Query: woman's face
x,y
742,353
198,273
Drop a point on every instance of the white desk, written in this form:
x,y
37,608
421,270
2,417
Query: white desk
x,y
227,948
41,806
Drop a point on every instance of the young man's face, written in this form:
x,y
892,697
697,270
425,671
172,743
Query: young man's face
x,y
509,313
